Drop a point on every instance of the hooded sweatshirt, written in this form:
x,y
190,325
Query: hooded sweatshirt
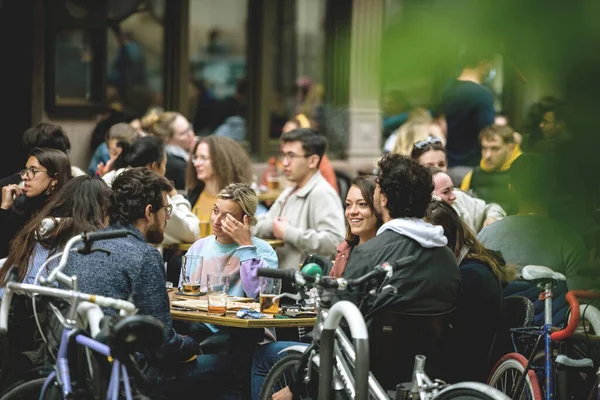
x,y
428,285
492,185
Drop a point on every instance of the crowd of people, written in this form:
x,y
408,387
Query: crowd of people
x,y
456,191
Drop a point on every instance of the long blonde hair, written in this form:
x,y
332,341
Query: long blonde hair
x,y
413,132
159,124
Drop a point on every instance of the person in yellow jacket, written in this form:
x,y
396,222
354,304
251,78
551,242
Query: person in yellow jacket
x,y
490,180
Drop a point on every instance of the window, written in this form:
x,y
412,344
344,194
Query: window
x,y
218,87
101,52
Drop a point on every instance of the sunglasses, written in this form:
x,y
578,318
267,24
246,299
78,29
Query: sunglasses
x,y
424,143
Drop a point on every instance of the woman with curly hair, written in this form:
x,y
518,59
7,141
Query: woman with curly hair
x,y
216,162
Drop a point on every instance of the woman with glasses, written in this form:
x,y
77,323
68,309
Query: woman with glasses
x,y
81,205
475,213
46,171
149,152
216,162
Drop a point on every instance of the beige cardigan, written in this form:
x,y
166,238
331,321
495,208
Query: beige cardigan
x,y
315,222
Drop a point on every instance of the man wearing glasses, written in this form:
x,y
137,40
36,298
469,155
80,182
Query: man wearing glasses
x,y
308,216
134,271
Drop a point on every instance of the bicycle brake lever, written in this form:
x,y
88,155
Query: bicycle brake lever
x,y
389,288
289,296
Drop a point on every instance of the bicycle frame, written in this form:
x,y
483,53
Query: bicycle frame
x,y
63,374
88,305
344,356
542,333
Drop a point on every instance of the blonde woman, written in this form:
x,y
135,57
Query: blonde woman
x,y
419,126
232,249
413,132
178,135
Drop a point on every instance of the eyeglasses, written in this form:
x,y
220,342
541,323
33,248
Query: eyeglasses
x,y
30,173
168,209
200,159
431,140
290,156
190,129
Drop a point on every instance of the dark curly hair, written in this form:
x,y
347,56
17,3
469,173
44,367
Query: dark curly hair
x,y
133,190
46,135
406,184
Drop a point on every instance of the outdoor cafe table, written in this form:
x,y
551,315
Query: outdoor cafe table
x,y
275,243
230,319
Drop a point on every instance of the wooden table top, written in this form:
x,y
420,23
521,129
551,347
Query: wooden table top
x,y
275,243
231,320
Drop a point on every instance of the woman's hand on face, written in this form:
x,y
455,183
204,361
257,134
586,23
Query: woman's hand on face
x,y
238,231
9,192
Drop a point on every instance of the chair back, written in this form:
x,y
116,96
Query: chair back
x,y
344,181
396,338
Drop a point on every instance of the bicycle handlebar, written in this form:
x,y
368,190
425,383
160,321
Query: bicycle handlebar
x,y
571,297
13,287
327,282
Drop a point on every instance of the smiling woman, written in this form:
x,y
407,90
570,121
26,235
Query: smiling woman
x,y
46,171
362,221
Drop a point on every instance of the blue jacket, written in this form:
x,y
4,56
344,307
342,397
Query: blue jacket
x,y
134,271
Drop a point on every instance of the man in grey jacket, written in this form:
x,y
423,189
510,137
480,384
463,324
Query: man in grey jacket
x,y
308,216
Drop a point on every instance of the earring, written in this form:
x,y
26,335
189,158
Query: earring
x,y
51,188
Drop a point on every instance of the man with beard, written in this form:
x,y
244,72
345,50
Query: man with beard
x,y
403,322
428,285
134,271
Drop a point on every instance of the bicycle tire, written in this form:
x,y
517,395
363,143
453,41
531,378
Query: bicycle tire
x,y
29,390
515,362
470,391
281,375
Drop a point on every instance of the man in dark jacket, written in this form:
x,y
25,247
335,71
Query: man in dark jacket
x,y
412,320
134,270
431,283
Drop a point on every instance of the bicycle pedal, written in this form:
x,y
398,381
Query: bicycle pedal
x,y
565,361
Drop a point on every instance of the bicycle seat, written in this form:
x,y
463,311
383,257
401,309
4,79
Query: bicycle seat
x,y
540,274
136,333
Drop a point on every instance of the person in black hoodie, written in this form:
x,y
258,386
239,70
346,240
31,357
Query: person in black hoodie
x,y
431,283
46,171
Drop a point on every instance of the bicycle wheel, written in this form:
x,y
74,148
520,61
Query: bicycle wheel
x,y
29,390
282,375
507,372
470,391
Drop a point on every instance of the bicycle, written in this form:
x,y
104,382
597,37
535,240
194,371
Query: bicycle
x,y
519,377
124,336
343,368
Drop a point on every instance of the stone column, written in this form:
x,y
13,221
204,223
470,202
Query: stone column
x,y
364,139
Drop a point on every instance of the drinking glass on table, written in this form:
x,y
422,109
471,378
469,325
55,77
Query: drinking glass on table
x,y
269,288
218,288
191,270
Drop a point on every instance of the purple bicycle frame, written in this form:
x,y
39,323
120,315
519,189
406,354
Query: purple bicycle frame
x,y
63,374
